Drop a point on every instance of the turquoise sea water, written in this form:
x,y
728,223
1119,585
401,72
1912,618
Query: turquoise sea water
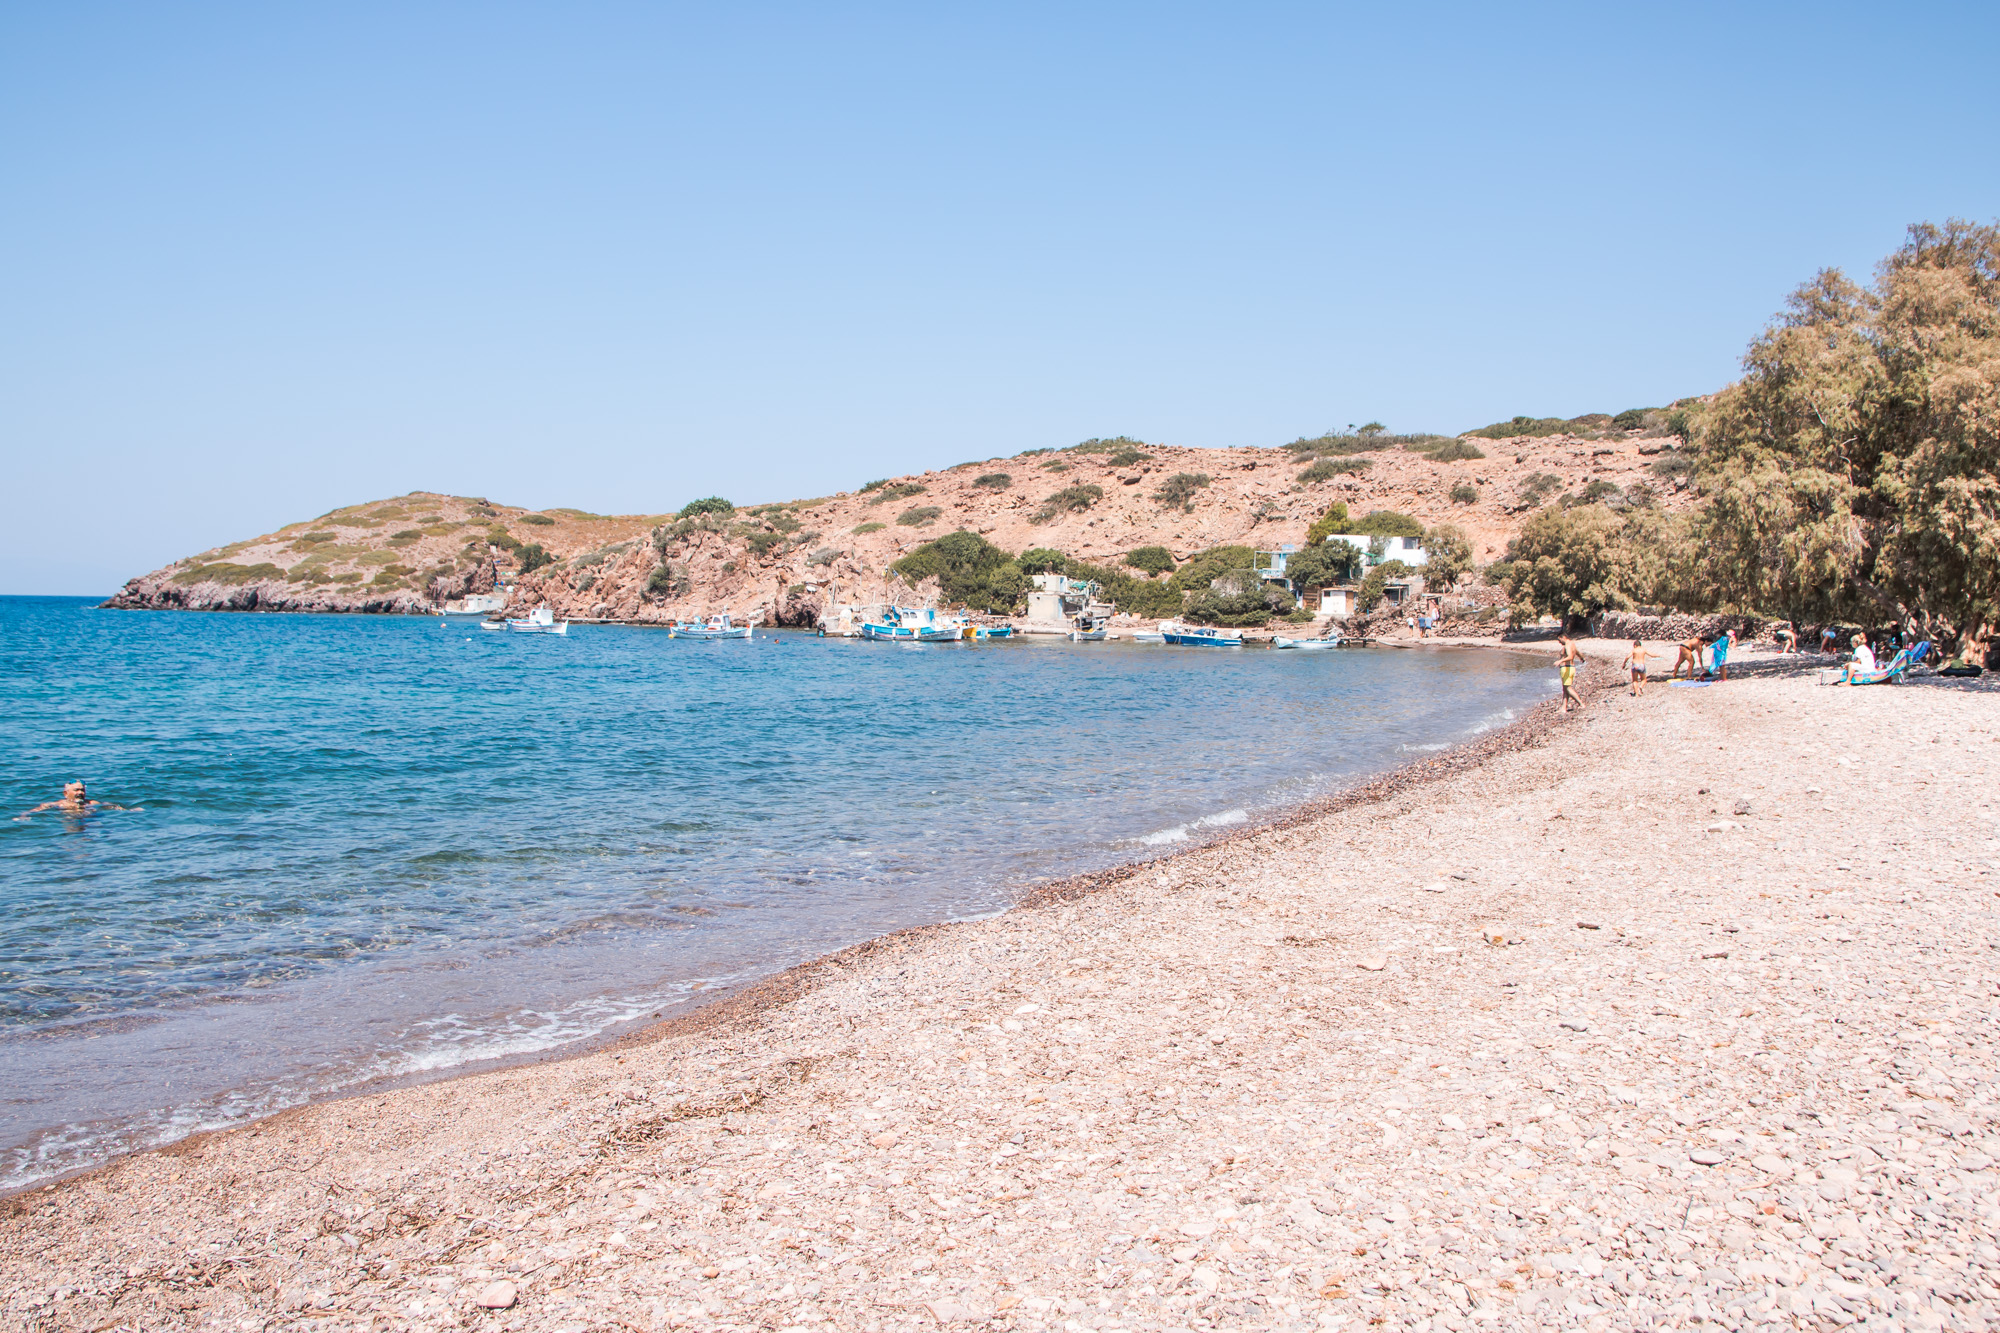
x,y
375,847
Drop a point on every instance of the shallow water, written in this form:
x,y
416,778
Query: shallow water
x,y
377,846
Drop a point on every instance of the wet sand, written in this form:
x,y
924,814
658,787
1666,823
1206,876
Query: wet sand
x,y
1679,1009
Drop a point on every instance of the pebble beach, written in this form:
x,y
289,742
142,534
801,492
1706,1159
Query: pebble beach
x,y
1677,1012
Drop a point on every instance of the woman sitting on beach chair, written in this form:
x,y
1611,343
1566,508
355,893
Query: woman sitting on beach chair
x,y
1863,671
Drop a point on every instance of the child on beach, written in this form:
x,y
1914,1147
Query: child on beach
x,y
1635,663
1567,660
1719,654
1787,637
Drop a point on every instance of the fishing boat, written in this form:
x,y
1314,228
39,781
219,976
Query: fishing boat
x,y
1200,636
901,624
1089,631
715,627
541,620
1330,641
499,625
474,606
1148,636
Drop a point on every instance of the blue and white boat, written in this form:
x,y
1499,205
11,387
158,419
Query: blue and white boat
x,y
1330,641
1200,636
902,624
541,620
715,627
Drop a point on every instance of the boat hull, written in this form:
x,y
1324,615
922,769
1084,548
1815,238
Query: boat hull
x,y
1204,640
1305,643
740,632
903,634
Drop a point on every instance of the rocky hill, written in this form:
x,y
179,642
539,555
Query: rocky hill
x,y
782,561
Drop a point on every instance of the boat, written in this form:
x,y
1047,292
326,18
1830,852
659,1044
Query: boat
x,y
500,625
715,627
1148,636
541,620
901,624
1201,636
1331,641
1089,631
474,606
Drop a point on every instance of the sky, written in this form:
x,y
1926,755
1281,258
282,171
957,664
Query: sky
x,y
260,261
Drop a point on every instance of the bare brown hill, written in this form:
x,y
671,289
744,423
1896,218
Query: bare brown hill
x,y
782,561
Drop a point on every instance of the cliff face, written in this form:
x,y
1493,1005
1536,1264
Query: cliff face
x,y
783,561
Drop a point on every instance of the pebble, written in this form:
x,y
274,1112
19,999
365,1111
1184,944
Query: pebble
x,y
497,1296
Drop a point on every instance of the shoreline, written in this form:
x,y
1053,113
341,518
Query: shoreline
x,y
1609,1027
742,1002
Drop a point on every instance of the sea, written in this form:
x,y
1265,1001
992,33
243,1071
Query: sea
x,y
357,850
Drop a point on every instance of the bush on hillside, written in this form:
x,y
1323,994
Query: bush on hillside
x,y
994,481
1332,521
969,570
1068,500
538,520
1328,468
873,486
1538,487
1375,587
1239,597
1387,523
1179,490
1116,444
712,504
1042,560
1453,451
1152,559
1522,427
1465,493
899,491
1632,418
1128,458
863,529
921,517
669,581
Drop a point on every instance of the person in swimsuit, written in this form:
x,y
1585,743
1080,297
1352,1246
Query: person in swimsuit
x,y
1787,637
1635,663
1566,663
1826,638
1690,657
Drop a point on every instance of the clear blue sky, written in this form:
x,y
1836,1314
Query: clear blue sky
x,y
263,260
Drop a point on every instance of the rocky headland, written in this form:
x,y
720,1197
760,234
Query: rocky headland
x,y
782,562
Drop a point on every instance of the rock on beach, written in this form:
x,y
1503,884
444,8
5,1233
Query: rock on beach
x,y
1760,1092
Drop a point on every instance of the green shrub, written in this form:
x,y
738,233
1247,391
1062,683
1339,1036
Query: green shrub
x,y
669,581
1453,451
232,575
1239,597
1632,418
1328,468
1152,559
1520,427
712,504
538,520
921,517
1042,560
825,555
503,539
969,570
1465,493
314,538
1374,587
760,543
352,576
874,486
1387,523
1680,422
1600,489
1179,490
863,529
729,566
1055,465
1033,453
1128,458
899,491
1670,465
1133,596
1640,496
1539,486
1200,569
1332,521
533,557
1068,500
406,535
1116,444
993,481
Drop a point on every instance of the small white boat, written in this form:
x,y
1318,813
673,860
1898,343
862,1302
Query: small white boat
x,y
541,620
475,606
1089,631
1148,636
715,627
1199,636
1331,641
499,625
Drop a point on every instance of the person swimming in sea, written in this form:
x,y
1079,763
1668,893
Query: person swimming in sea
x,y
75,801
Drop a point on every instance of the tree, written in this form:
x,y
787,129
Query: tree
x,y
1332,521
1376,586
1239,597
713,504
1198,571
1152,559
533,557
1387,523
1042,560
1323,565
1570,562
969,569
1447,554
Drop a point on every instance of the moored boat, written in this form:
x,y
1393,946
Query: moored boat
x,y
715,627
1089,631
1200,636
901,624
1330,641
541,620
473,606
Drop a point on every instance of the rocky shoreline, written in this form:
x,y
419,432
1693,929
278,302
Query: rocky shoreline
x,y
1676,1011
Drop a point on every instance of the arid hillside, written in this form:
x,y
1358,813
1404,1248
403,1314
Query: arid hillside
x,y
783,560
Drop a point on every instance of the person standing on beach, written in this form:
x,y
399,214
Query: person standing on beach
x,y
1720,654
1566,663
1690,657
1635,663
